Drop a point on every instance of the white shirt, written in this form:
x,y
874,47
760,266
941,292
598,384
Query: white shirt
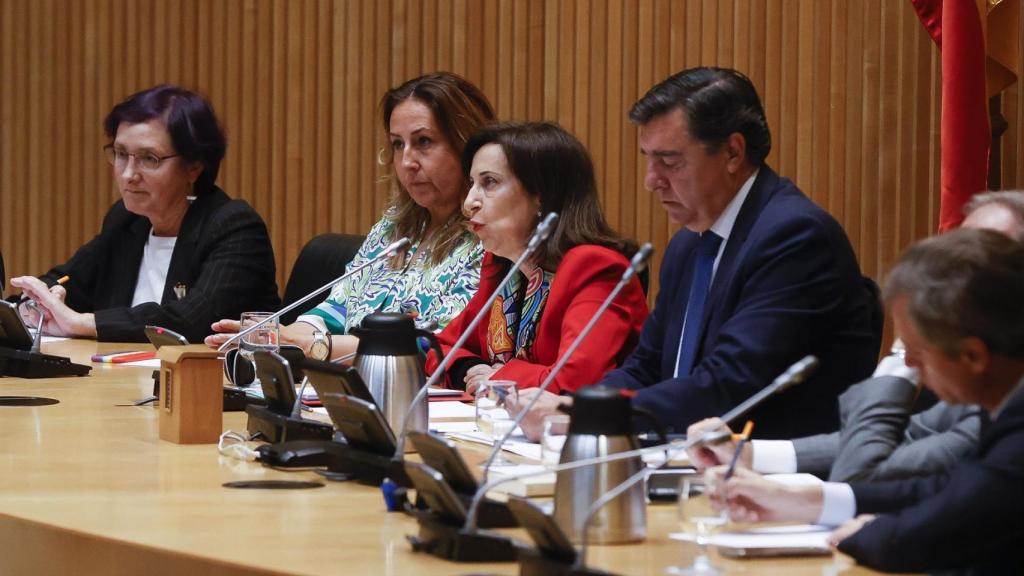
x,y
156,259
723,228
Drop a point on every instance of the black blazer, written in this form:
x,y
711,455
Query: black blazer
x,y
222,256
970,519
787,285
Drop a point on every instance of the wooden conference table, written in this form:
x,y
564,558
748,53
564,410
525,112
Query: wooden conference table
x,y
87,487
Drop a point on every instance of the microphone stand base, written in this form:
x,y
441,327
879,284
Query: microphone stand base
x,y
369,468
533,562
26,364
449,542
491,514
276,427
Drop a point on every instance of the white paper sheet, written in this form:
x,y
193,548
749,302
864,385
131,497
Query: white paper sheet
x,y
452,427
434,392
310,393
151,363
451,410
808,537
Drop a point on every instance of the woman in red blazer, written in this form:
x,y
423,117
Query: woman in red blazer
x,y
517,172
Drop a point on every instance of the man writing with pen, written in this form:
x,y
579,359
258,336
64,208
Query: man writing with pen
x,y
955,301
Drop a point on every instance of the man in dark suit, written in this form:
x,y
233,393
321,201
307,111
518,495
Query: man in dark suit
x,y
955,301
758,278
883,435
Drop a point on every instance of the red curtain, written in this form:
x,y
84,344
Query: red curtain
x,y
956,28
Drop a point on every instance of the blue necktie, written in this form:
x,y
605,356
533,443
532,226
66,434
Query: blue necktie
x,y
707,250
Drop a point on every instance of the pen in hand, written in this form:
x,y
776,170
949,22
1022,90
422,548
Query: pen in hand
x,y
63,279
744,437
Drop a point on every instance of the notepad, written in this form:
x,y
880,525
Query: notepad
x,y
790,540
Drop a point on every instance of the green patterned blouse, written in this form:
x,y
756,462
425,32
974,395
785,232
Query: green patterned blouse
x,y
435,292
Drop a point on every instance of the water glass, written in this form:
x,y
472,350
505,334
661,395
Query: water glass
x,y
491,415
552,438
701,520
266,337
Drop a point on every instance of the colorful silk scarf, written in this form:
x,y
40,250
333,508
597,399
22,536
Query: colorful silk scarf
x,y
515,316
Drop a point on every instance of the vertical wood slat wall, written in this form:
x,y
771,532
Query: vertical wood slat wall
x,y
850,89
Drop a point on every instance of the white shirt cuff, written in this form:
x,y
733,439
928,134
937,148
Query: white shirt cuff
x,y
895,365
314,321
773,456
837,504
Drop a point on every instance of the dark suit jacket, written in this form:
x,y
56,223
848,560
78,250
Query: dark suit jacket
x,y
585,277
787,285
881,439
970,518
223,257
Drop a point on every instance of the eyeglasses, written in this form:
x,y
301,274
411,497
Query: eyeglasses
x,y
147,162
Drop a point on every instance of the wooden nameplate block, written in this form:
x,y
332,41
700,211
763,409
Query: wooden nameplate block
x,y
191,394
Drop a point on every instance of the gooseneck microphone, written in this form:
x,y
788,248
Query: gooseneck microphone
x,y
793,375
392,249
636,265
540,234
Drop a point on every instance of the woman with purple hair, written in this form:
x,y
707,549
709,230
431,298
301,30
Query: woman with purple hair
x,y
175,250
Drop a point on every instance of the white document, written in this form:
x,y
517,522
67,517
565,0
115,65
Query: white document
x,y
768,540
434,392
452,427
451,410
151,363
516,444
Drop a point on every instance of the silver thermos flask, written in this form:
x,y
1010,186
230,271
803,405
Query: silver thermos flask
x,y
601,425
388,359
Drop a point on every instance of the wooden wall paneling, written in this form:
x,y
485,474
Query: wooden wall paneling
x,y
838,67
615,117
566,70
806,99
1013,110
850,91
279,164
323,120
375,42
854,121
819,55
771,83
505,54
628,156
659,227
535,61
520,87
871,139
644,77
429,48
348,85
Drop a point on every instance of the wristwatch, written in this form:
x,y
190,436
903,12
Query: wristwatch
x,y
320,349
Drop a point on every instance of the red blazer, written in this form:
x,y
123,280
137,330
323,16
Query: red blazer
x,y
582,281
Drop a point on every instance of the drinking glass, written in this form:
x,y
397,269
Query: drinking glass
x,y
491,414
701,520
266,337
552,438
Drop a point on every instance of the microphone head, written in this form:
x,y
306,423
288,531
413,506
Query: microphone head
x,y
398,245
544,229
642,256
798,372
